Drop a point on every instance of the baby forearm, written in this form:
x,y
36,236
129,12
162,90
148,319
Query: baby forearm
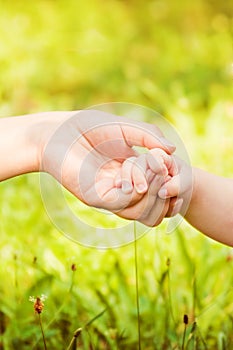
x,y
211,206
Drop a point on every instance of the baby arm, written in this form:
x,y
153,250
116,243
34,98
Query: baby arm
x,y
203,199
207,201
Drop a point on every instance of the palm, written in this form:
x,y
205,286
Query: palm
x,y
99,190
86,152
96,184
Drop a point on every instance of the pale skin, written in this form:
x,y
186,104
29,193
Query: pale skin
x,y
205,200
97,143
211,202
211,206
139,173
84,151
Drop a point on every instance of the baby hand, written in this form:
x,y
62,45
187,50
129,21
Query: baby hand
x,y
138,172
178,189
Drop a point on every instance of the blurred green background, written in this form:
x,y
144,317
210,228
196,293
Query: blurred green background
x,y
174,57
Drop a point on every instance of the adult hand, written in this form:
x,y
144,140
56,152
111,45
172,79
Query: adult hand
x,y
84,151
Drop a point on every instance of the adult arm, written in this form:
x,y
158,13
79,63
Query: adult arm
x,y
83,151
17,154
21,140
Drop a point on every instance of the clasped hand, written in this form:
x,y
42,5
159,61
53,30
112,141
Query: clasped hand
x,y
91,153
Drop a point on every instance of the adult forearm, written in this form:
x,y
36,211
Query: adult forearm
x,y
18,154
211,206
22,139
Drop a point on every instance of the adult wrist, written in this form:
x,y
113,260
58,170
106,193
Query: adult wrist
x,y
17,153
43,127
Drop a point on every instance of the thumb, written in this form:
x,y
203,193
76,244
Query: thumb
x,y
171,188
145,135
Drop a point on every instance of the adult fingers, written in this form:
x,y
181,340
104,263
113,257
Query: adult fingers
x,y
149,175
149,209
157,207
174,206
105,195
158,212
145,135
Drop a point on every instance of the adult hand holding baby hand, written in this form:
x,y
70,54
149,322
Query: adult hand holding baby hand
x,y
86,151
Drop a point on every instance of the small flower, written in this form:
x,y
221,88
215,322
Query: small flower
x,y
32,299
73,267
38,303
229,258
186,319
43,297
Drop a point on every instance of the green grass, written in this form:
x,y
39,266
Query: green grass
x,y
174,57
181,273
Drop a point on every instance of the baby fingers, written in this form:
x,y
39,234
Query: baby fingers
x,y
139,174
126,175
134,174
161,161
171,188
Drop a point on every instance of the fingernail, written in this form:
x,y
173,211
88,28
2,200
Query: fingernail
x,y
127,187
141,188
167,143
177,207
162,193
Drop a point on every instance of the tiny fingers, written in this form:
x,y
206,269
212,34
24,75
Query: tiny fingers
x,y
171,188
165,161
118,180
133,174
139,174
156,162
126,175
